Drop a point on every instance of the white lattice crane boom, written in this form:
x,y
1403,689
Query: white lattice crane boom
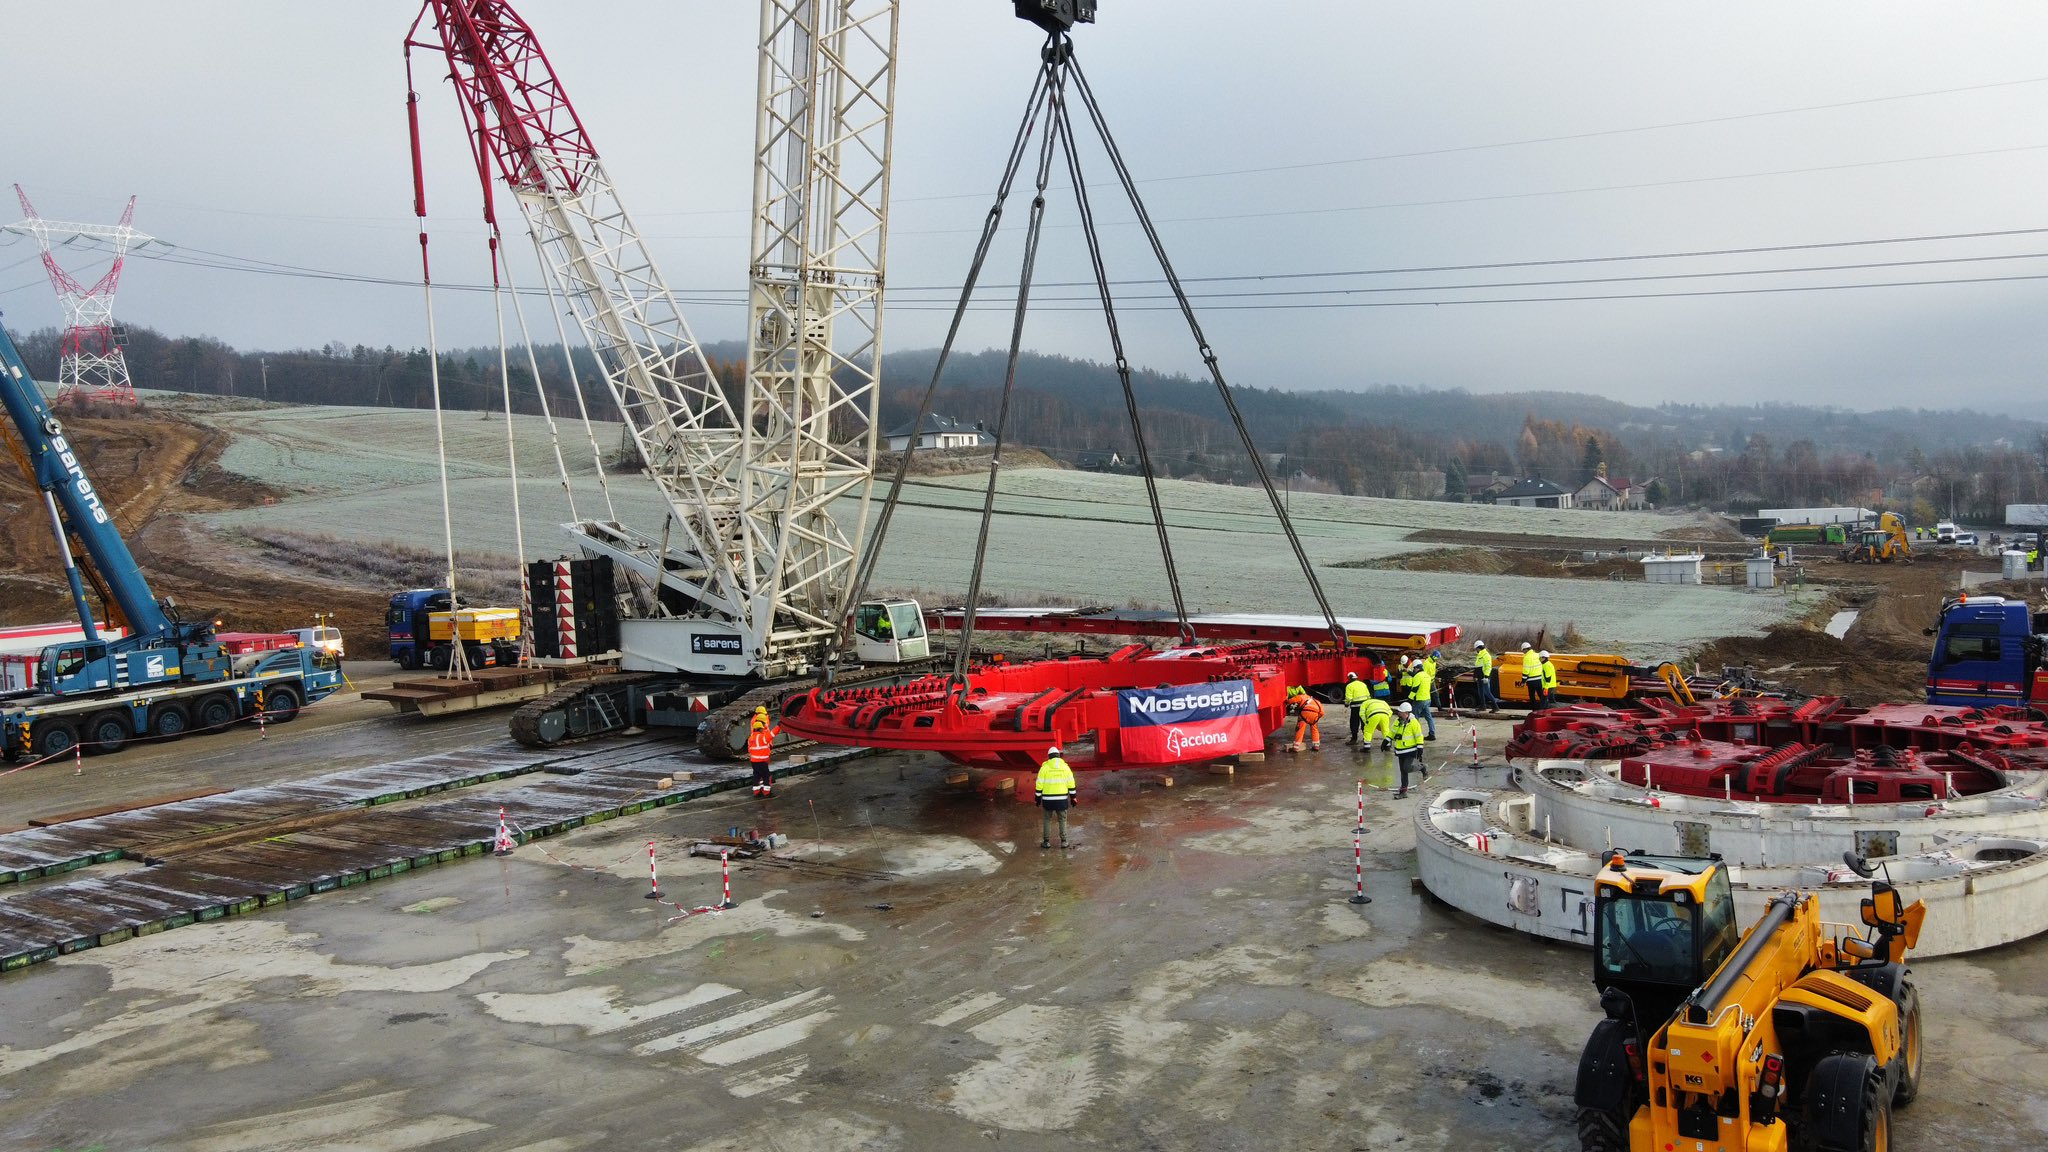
x,y
751,572
819,247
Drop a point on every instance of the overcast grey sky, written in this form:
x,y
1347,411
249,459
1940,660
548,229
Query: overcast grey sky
x,y
1277,139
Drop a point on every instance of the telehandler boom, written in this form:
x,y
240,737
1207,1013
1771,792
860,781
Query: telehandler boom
x,y
1789,1039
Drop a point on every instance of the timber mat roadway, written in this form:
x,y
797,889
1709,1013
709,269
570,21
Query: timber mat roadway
x,y
913,973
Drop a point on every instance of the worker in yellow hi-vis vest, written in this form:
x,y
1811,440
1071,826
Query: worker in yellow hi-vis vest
x,y
1355,696
1486,689
1379,719
1056,793
1532,674
1408,738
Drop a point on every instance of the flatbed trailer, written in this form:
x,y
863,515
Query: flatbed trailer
x,y
1360,631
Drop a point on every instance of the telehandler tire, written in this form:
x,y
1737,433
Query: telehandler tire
x,y
1605,1091
1846,1107
1600,1132
1908,1078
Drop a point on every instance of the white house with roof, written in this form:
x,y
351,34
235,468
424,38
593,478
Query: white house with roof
x,y
1537,493
938,432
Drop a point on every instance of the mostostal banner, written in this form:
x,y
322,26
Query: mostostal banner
x,y
1190,722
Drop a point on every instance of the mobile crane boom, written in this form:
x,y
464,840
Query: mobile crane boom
x,y
168,676
75,508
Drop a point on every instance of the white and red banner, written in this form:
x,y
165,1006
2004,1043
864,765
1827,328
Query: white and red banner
x,y
1189,722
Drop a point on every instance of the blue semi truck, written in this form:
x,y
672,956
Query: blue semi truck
x,y
1987,650
168,676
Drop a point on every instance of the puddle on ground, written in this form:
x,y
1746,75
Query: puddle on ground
x,y
195,971
1839,624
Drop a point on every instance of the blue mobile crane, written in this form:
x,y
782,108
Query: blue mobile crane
x,y
168,676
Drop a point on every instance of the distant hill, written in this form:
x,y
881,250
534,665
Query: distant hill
x,y
1375,441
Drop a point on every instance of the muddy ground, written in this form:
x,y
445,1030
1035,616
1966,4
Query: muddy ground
x,y
914,974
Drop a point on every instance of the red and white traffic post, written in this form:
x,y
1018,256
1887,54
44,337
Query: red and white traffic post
x,y
1358,849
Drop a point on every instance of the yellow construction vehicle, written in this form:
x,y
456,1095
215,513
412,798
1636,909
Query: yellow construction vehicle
x,y
1579,677
1883,544
1786,1039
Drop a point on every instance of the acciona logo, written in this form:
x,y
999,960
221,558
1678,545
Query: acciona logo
x,y
1179,743
1153,705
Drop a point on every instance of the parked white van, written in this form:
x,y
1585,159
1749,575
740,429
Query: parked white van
x,y
326,638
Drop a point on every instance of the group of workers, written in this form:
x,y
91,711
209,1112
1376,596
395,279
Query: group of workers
x,y
1401,728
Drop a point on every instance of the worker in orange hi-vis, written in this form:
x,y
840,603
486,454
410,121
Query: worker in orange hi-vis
x,y
1308,714
761,734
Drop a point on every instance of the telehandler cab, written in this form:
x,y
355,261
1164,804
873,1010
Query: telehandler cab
x,y
1788,1039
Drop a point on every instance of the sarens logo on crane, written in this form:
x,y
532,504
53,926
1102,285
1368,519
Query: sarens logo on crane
x,y
1189,722
69,459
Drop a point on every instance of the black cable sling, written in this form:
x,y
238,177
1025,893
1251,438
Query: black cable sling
x,y
1050,85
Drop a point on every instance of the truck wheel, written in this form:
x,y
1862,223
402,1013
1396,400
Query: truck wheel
x,y
168,722
281,703
475,654
215,712
437,659
409,660
52,737
1908,1078
105,733
1845,1106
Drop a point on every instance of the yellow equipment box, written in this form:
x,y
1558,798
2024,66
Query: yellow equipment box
x,y
474,625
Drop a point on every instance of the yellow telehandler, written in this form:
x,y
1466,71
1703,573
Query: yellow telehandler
x,y
1788,1039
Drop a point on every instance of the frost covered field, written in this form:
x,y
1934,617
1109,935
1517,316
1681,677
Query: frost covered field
x,y
369,475
327,450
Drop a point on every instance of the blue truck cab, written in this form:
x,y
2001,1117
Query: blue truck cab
x,y
1987,650
405,624
112,665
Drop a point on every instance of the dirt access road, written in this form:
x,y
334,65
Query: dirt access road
x,y
151,466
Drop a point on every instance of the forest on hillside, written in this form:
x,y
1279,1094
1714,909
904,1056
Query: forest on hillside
x,y
1376,441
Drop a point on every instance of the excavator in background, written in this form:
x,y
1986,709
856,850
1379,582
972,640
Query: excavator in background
x,y
1882,544
1788,1038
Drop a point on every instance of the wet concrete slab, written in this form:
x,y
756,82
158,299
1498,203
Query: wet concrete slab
x,y
914,973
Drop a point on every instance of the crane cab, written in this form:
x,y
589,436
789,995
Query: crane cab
x,y
889,632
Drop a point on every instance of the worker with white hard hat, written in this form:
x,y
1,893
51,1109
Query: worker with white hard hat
x,y
1532,673
1486,688
1408,740
1355,695
1548,678
1056,793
